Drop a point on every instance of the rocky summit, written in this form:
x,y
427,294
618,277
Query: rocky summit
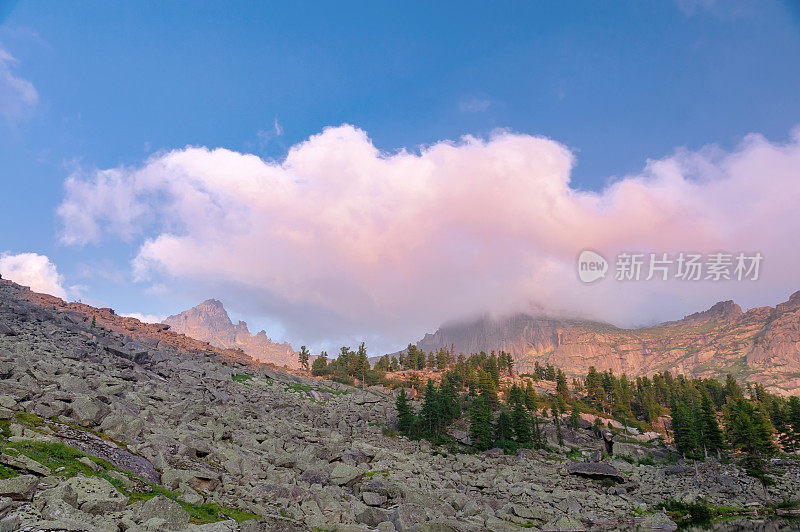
x,y
107,427
209,322
761,345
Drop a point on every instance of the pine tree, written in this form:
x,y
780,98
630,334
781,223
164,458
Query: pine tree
x,y
683,429
487,388
562,389
748,429
794,421
557,422
504,435
431,412
480,423
521,424
303,357
406,418
530,397
320,364
575,416
712,440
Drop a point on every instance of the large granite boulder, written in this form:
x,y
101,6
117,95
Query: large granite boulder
x,y
595,470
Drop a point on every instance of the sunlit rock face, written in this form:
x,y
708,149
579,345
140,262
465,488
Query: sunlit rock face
x,y
209,321
760,345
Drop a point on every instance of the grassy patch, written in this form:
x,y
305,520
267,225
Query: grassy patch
x,y
7,472
64,461
699,513
243,377
30,419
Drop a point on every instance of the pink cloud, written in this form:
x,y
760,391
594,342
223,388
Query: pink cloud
x,y
342,240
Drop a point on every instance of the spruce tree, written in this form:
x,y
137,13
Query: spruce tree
x,y
683,429
504,435
480,423
557,422
794,422
713,440
406,418
431,412
748,429
530,397
575,416
303,357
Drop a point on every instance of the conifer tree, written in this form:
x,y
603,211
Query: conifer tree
x,y
303,357
683,429
794,421
487,388
530,397
504,434
712,439
406,419
480,423
575,416
557,422
431,413
748,429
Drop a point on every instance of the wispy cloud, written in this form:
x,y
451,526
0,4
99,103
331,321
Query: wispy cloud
x,y
267,136
145,318
473,104
18,96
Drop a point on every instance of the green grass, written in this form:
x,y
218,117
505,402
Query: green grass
x,y
699,513
64,461
243,378
303,388
30,419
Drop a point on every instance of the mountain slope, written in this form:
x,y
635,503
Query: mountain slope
x,y
761,345
209,322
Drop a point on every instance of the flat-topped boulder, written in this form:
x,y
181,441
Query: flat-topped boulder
x,y
595,470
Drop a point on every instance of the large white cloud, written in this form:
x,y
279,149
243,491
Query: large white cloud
x,y
341,240
17,95
33,270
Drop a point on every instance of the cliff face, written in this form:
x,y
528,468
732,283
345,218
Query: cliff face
x,y
209,322
761,345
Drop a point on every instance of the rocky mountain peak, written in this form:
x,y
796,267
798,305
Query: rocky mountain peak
x,y
722,310
210,322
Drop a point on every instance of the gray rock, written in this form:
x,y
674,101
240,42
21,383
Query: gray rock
x,y
343,474
19,488
408,516
657,521
174,517
564,523
93,495
678,470
595,470
371,498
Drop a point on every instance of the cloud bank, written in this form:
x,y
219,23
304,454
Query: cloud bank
x,y
341,241
144,318
17,95
33,270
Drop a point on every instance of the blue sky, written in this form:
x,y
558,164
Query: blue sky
x,y
617,83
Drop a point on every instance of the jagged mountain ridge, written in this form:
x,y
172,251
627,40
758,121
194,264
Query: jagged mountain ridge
x,y
209,322
760,345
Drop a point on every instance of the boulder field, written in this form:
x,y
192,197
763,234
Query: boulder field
x,y
102,431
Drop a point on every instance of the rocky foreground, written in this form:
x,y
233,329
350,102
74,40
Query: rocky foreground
x,y
102,431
